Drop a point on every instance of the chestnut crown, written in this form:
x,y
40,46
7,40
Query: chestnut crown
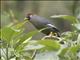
x,y
29,15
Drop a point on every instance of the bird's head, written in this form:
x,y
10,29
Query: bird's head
x,y
29,16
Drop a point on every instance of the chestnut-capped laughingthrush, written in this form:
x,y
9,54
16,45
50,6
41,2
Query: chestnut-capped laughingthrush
x,y
41,22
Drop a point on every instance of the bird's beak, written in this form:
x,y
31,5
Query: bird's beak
x,y
25,19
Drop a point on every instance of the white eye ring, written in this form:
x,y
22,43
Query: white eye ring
x,y
30,16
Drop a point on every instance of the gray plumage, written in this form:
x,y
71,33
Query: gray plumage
x,y
41,22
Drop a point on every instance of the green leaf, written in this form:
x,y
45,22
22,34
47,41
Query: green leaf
x,y
69,50
25,37
19,25
7,34
67,17
63,52
69,36
22,45
50,44
33,45
75,49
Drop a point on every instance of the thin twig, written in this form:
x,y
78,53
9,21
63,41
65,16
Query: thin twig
x,y
34,54
7,58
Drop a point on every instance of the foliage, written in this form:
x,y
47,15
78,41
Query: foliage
x,y
17,45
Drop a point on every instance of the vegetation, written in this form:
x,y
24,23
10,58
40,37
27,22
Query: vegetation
x,y
17,45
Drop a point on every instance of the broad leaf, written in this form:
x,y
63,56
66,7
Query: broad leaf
x,y
66,17
25,37
63,52
50,44
33,45
75,49
19,25
7,34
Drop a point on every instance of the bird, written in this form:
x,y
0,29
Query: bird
x,y
40,22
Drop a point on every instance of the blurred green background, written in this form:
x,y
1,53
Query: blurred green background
x,y
17,10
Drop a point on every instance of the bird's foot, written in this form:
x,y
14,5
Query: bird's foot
x,y
51,36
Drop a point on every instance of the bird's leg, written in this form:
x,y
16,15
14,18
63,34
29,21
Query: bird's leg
x,y
52,35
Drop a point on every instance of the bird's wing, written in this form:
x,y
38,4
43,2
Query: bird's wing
x,y
52,27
